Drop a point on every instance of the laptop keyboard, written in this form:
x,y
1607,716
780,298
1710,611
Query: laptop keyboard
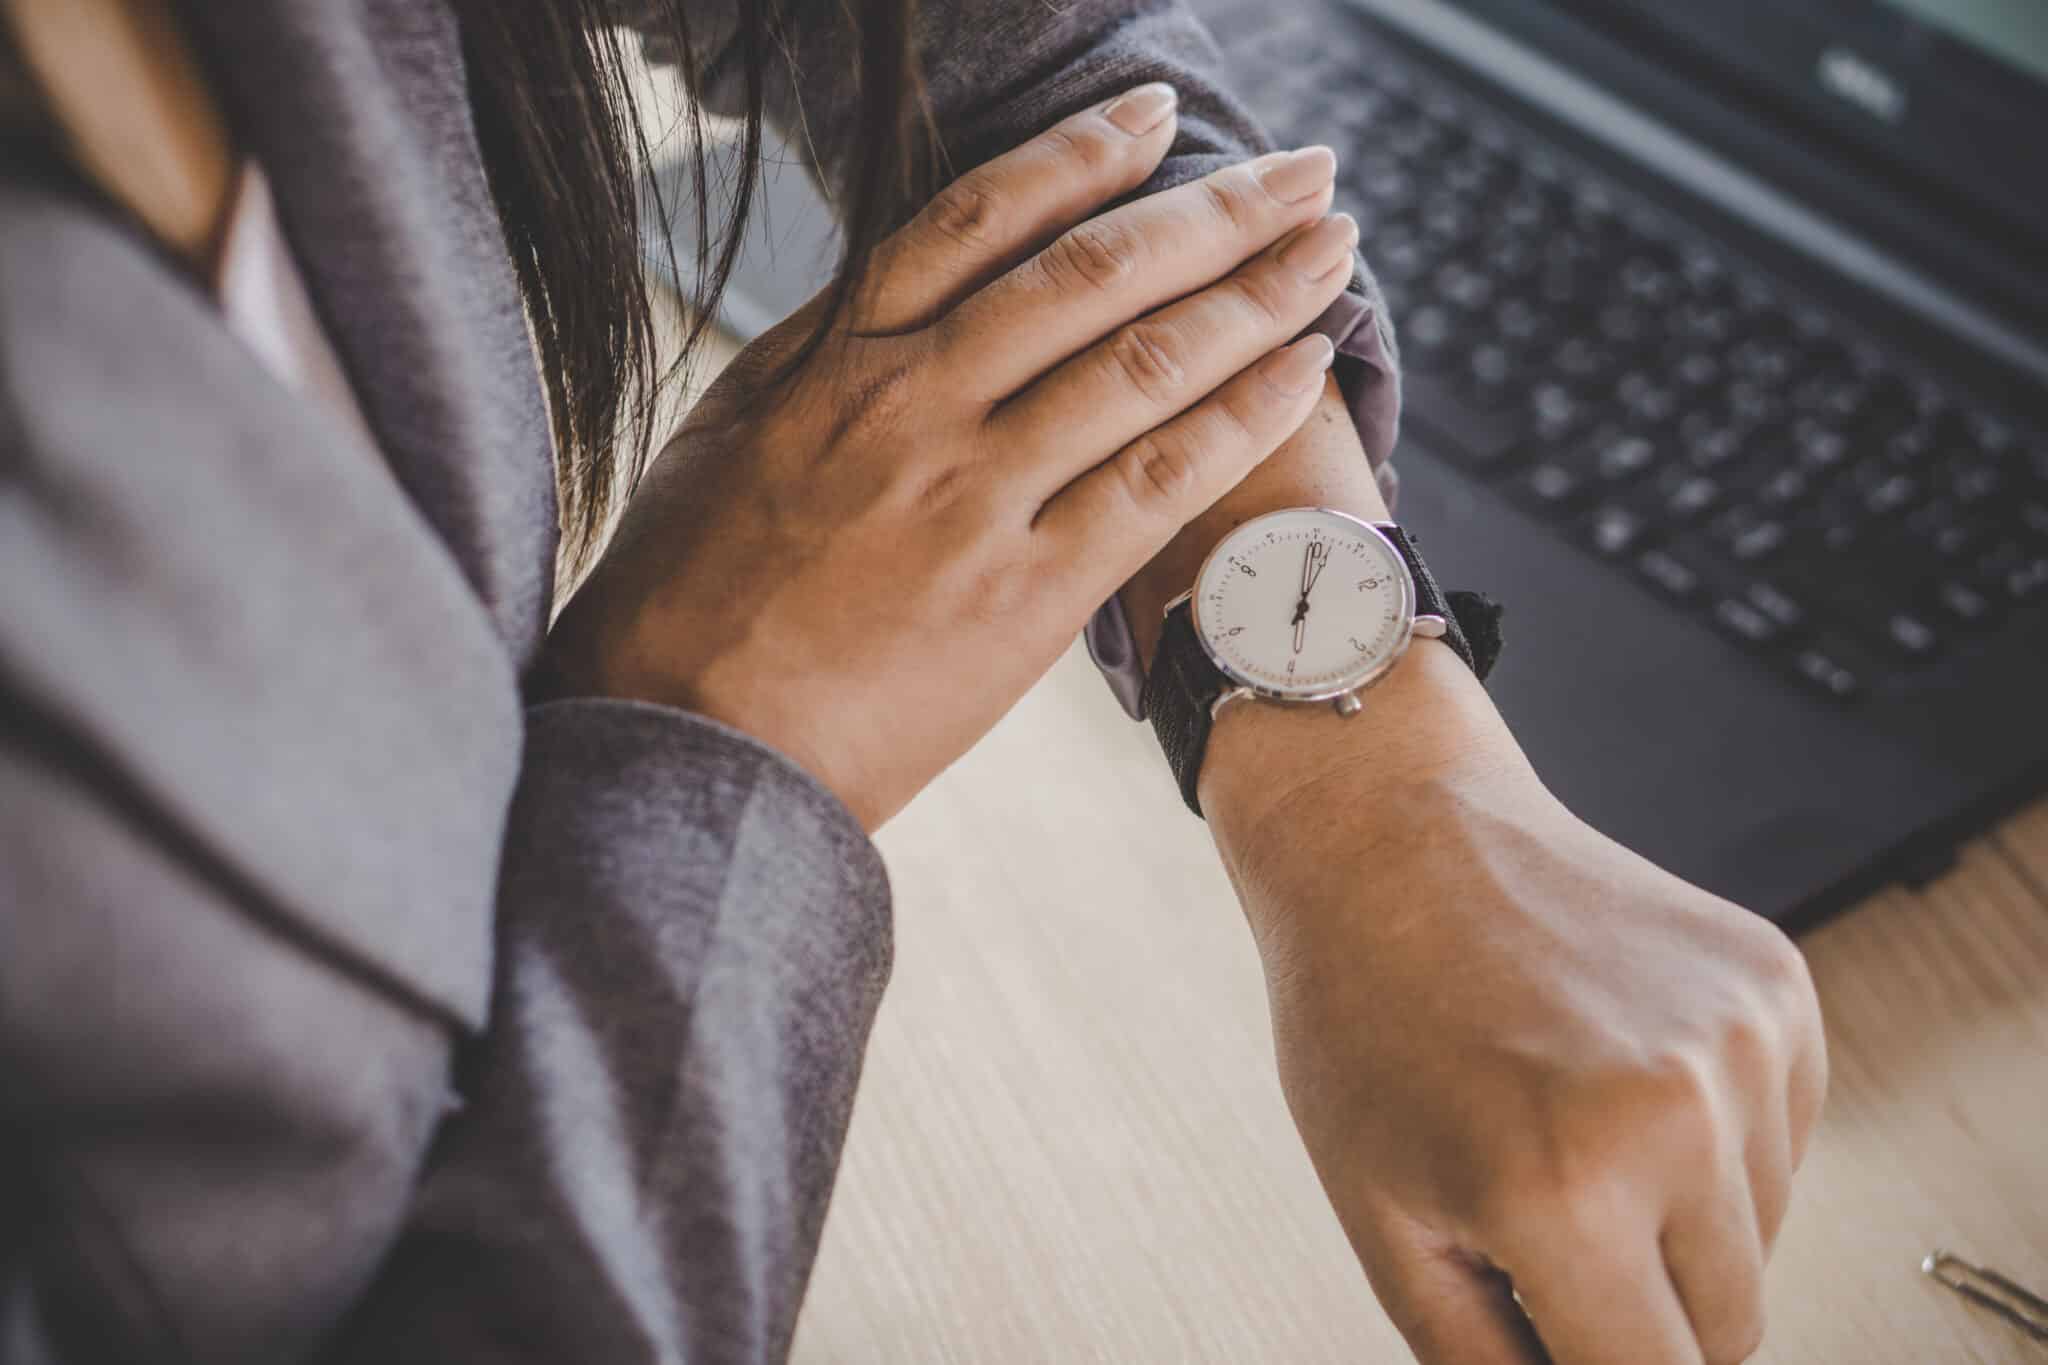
x,y
1741,454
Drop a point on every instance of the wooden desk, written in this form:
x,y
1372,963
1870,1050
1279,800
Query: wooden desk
x,y
1070,1145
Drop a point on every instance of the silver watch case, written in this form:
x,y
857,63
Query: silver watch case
x,y
1346,697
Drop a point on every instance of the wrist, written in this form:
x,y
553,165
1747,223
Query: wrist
x,y
1425,733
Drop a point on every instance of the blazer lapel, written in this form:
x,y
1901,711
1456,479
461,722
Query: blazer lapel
x,y
359,113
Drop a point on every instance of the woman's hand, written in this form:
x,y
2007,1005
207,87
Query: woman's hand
x,y
866,567
1521,1057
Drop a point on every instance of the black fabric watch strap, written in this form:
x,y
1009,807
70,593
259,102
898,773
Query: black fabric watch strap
x,y
1183,684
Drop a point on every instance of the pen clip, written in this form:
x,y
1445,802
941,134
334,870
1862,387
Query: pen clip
x,y
1992,1291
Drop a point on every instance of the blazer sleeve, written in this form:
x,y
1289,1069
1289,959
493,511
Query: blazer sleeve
x,y
998,72
694,938
223,1143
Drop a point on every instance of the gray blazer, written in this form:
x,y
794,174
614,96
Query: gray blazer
x,y
350,1009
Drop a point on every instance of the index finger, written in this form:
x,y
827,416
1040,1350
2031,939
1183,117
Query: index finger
x,y
1102,273
1000,212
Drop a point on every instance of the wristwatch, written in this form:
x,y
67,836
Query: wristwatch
x,y
1302,606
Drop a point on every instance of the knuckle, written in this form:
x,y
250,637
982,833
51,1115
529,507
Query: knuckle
x,y
1784,971
965,212
1160,470
1752,1045
1230,201
1264,294
1095,255
1240,415
945,487
1082,145
1684,1083
1147,358
1685,1113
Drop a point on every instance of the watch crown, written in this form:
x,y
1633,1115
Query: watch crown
x,y
1350,704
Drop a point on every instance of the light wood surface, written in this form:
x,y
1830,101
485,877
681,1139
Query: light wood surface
x,y
1070,1143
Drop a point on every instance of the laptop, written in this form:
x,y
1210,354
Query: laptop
x,y
1725,330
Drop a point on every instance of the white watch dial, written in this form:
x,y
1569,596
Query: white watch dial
x,y
1304,604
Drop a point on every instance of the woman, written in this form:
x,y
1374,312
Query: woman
x,y
387,977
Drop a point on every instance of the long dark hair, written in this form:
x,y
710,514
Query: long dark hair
x,y
566,150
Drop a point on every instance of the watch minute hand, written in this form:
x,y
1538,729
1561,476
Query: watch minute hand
x,y
1321,554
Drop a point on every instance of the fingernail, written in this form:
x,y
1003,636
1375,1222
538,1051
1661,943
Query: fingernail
x,y
1317,251
1294,176
1301,365
1143,109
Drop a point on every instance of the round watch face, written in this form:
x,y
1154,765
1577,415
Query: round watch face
x,y
1304,604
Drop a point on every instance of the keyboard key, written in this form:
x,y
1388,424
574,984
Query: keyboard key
x,y
1710,444
1764,361
1614,531
2033,464
1757,542
1892,494
1519,323
2033,520
1492,368
1947,529
1753,404
1646,400
1672,576
1648,282
1621,458
1911,447
1705,271
1691,497
1704,324
1820,448
1991,435
1464,288
1429,338
1744,622
1583,362
1825,671
1387,186
1556,412
1773,602
1911,636
1963,603
1786,488
1626,325
1972,481
1698,370
1448,222
2027,581
1552,486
